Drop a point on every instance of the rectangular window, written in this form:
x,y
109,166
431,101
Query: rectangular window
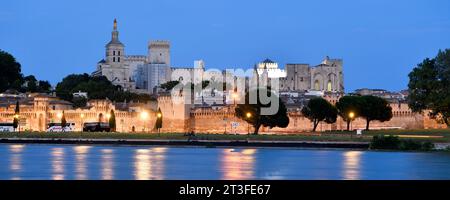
x,y
114,59
114,53
118,59
118,53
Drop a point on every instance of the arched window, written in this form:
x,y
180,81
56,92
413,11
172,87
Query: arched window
x,y
316,85
329,88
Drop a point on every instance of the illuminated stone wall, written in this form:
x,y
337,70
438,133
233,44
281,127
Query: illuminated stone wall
x,y
179,117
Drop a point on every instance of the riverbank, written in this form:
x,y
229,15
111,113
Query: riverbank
x,y
188,142
431,135
336,139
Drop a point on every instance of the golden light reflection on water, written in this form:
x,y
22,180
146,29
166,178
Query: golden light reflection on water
x,y
352,163
16,160
149,163
58,163
238,165
107,164
81,153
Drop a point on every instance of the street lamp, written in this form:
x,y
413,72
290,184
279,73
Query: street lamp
x,y
82,121
144,116
159,116
351,115
248,115
16,117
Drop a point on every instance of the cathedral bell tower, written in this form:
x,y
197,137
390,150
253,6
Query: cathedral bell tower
x,y
115,50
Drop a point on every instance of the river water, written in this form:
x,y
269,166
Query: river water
x,y
99,162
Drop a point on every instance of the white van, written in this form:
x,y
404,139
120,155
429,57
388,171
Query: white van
x,y
6,127
56,127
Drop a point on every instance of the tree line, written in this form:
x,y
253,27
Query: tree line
x,y
11,77
96,87
316,110
349,108
99,87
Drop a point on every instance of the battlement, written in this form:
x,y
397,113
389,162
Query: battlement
x,y
136,58
159,44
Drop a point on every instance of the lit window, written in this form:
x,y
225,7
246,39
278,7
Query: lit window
x,y
317,85
329,86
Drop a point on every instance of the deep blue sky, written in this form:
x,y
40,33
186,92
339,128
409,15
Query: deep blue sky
x,y
379,40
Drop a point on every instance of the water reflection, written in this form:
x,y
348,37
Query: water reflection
x,y
16,160
57,163
351,165
81,166
107,164
238,165
149,163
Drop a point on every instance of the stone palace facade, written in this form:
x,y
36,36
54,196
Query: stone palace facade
x,y
145,73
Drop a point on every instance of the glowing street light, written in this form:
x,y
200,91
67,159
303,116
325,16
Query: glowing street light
x,y
59,115
108,116
351,115
144,116
16,116
248,115
159,115
82,122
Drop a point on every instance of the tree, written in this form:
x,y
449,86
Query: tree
x,y
98,87
63,121
44,86
10,72
251,113
348,108
31,83
16,116
319,109
374,108
159,118
429,87
112,121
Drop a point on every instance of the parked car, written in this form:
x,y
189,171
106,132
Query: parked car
x,y
6,127
96,127
56,127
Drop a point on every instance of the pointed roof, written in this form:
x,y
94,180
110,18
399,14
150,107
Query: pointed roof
x,y
268,61
114,36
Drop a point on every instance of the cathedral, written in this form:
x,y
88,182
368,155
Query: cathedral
x,y
145,73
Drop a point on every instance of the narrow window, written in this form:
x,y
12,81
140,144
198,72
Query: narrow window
x,y
114,59
329,86
118,53
118,59
114,53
